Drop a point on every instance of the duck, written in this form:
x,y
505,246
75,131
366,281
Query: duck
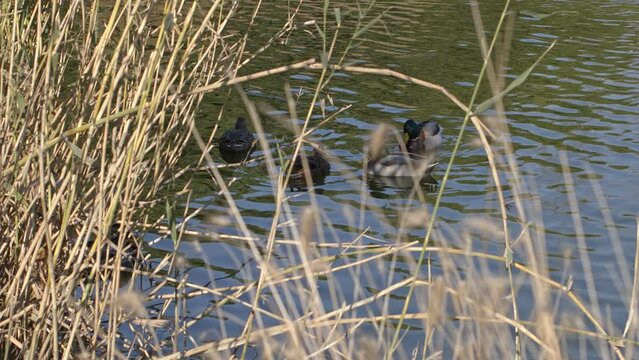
x,y
237,140
422,138
401,166
318,166
415,163
117,235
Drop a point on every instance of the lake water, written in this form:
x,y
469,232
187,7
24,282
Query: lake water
x,y
582,101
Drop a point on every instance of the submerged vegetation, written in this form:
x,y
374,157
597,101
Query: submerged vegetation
x,y
98,102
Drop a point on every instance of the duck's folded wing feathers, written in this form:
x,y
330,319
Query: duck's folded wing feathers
x,y
401,166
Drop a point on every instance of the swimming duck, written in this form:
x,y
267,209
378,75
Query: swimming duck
x,y
401,165
318,166
130,248
422,137
238,139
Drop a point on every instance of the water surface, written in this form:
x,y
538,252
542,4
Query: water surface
x,y
582,100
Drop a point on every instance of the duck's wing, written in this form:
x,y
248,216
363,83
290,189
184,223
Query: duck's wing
x,y
237,140
297,164
390,165
393,160
316,164
397,165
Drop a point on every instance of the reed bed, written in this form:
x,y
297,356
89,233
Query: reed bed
x,y
97,105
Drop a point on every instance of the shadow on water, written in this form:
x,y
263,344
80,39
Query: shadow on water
x,y
301,185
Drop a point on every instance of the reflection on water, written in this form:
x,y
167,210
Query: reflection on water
x,y
235,157
379,183
583,100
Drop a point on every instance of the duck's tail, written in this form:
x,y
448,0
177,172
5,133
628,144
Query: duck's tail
x,y
375,149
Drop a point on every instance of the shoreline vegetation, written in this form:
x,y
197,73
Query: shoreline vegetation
x,y
98,102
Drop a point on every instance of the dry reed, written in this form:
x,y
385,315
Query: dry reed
x,y
97,104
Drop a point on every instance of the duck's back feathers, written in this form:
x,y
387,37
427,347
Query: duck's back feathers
x,y
399,165
238,139
317,165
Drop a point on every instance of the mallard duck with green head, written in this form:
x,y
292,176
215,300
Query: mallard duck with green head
x,y
403,164
422,138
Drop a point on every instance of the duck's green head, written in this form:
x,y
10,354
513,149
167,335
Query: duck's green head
x,y
412,130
